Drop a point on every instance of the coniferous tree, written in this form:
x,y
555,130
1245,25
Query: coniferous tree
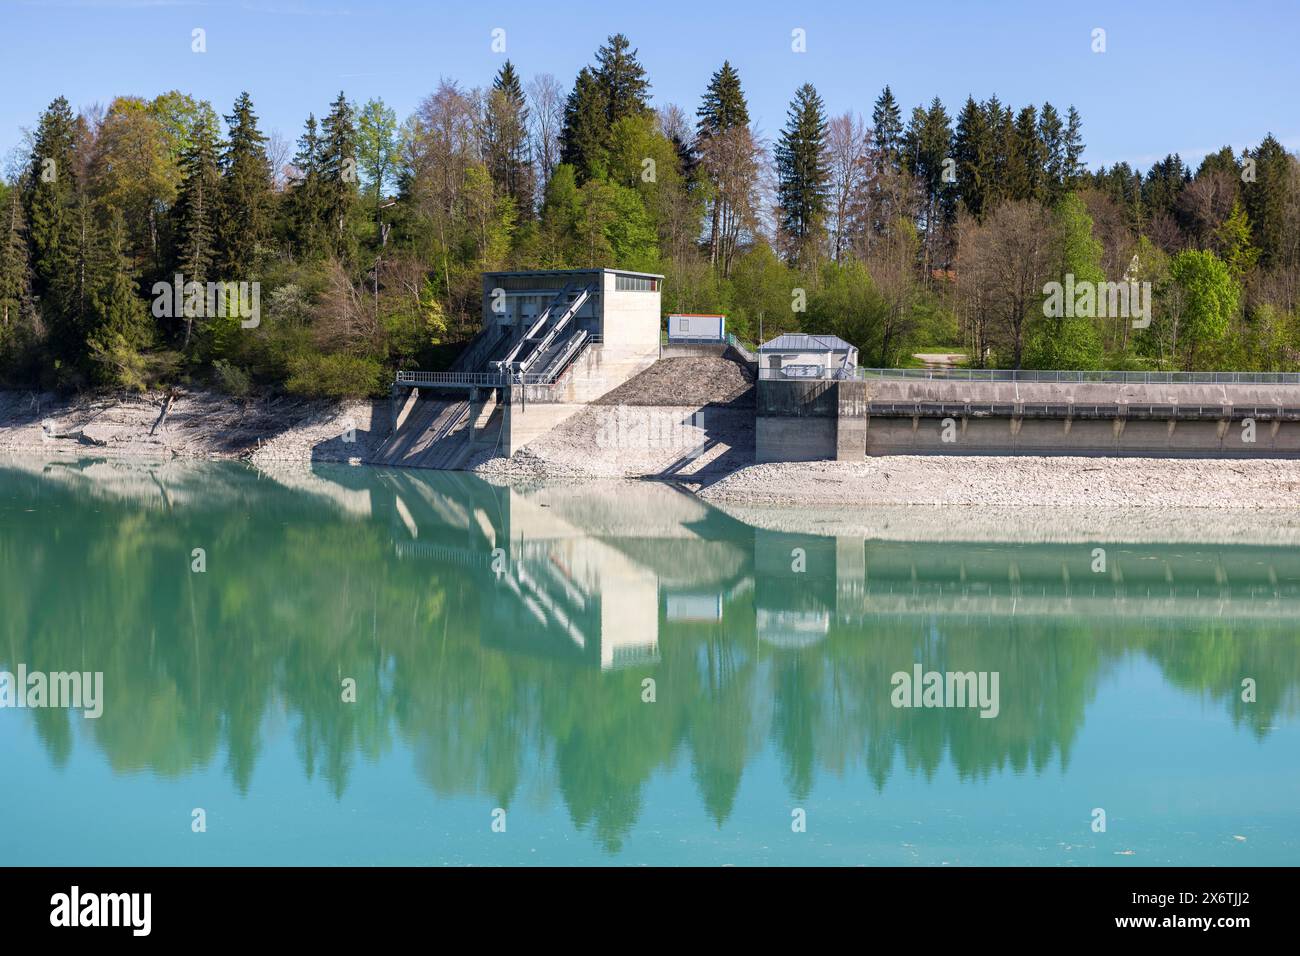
x,y
927,144
245,209
50,196
1051,136
802,172
1073,148
305,202
1266,197
1026,158
723,111
15,267
973,152
194,216
724,106
887,122
584,135
615,88
622,80
338,175
508,156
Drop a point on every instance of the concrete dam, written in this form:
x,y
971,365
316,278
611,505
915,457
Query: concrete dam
x,y
894,414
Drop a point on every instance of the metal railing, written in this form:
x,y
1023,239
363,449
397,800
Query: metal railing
x,y
811,373
1125,378
1144,412
502,379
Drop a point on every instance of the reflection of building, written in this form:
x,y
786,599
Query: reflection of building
x,y
693,606
791,630
570,578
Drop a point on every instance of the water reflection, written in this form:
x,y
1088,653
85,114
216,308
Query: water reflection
x,y
502,634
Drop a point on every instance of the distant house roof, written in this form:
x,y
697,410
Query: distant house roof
x,y
797,342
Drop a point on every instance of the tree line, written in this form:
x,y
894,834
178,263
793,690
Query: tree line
x,y
365,239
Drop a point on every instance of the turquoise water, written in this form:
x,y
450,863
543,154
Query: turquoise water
x,y
500,642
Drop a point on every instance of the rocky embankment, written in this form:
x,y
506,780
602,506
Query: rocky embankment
x,y
191,425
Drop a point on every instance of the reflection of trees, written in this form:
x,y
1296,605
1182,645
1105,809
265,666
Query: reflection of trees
x,y
298,596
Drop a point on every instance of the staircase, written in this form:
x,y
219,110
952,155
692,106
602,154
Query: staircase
x,y
545,330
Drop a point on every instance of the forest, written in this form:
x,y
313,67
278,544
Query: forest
x,y
365,238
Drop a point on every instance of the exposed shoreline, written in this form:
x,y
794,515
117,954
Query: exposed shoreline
x,y
962,498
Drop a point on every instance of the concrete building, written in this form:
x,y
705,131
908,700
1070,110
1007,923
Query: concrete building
x,y
551,342
798,356
616,307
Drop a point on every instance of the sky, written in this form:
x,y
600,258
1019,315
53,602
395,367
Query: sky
x,y
1185,77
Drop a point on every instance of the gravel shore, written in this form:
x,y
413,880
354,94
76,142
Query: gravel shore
x,y
1017,482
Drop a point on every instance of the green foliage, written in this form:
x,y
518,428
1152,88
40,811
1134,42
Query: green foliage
x,y
370,255
232,379
1207,300
335,376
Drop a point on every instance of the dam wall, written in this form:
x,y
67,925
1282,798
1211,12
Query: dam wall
x,y
847,420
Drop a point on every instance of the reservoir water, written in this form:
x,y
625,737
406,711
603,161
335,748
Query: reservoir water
x,y
342,665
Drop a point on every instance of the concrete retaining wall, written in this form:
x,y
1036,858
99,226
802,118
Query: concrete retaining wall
x,y
793,439
800,421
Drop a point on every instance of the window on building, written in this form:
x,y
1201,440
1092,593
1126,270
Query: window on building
x,y
624,283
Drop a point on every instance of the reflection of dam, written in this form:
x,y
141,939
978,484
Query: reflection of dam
x,y
858,580
563,585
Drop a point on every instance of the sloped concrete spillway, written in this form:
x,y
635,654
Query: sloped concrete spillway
x,y
798,421
441,433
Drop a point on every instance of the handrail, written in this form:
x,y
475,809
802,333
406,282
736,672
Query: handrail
x,y
579,298
542,318
1085,375
497,379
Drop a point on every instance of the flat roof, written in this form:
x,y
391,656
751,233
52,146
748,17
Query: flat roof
x,y
570,272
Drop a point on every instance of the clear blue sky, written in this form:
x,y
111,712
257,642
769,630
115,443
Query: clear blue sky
x,y
1186,77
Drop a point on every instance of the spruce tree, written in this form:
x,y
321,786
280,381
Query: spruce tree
x,y
194,216
1027,159
49,196
305,201
585,132
723,109
802,171
1267,197
1073,147
1051,138
509,158
973,152
245,208
724,106
887,122
621,79
15,267
338,174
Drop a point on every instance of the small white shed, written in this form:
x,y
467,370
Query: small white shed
x,y
796,355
